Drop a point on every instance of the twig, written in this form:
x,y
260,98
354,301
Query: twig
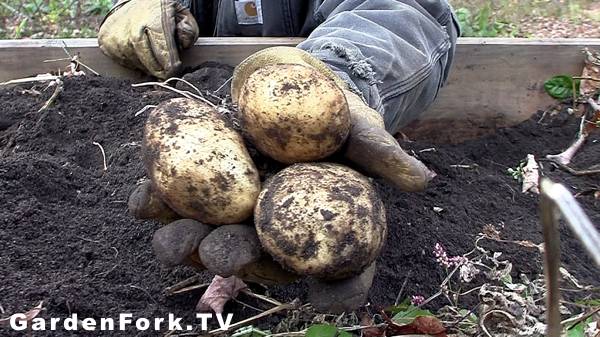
x,y
261,297
103,154
145,291
247,305
574,171
402,288
282,307
582,318
551,260
586,78
57,90
222,85
180,285
191,288
39,78
142,110
469,167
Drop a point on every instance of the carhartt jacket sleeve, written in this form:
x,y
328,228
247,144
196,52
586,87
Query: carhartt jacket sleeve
x,y
395,53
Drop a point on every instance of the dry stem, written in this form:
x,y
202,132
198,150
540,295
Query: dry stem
x,y
282,307
57,90
183,93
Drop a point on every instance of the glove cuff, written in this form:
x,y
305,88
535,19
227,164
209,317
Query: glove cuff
x,y
278,55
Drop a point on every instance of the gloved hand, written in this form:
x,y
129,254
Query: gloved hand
x,y
148,35
235,250
369,146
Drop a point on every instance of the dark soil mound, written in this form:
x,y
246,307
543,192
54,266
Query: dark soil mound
x,y
67,239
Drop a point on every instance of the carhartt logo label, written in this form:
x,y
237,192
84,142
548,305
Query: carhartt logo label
x,y
250,9
248,12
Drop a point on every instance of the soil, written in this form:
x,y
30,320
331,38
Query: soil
x,y
68,240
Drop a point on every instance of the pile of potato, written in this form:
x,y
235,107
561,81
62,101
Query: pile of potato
x,y
312,219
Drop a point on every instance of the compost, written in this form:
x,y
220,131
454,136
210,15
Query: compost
x,y
67,238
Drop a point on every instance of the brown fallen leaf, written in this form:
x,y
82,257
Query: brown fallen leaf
x,y
422,325
219,292
29,316
367,320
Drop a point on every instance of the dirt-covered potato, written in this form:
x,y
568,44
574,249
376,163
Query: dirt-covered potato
x,y
321,219
228,249
177,243
198,164
293,113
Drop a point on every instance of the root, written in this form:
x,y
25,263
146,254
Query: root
x,y
183,93
57,90
103,154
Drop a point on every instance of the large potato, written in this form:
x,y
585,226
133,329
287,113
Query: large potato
x,y
293,113
321,219
198,164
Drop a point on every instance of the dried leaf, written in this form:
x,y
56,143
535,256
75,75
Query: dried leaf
x,y
531,176
219,292
490,231
29,316
591,69
426,325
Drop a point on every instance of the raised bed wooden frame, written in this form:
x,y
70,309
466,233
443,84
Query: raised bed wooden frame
x,y
494,82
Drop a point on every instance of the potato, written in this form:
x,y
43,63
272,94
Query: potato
x,y
293,113
323,220
198,164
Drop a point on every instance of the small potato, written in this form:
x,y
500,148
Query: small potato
x,y
198,164
323,220
340,296
293,113
228,249
177,243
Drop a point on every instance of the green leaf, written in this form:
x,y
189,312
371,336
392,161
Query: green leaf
x,y
326,330
579,329
403,306
561,86
408,316
592,302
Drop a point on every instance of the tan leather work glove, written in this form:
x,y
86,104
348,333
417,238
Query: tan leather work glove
x,y
369,146
148,35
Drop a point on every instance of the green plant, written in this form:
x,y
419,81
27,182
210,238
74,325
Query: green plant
x,y
483,23
326,330
517,172
561,86
98,7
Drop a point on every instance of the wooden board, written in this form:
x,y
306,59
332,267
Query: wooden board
x,y
494,82
497,82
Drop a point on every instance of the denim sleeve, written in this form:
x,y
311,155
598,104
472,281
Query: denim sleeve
x,y
396,53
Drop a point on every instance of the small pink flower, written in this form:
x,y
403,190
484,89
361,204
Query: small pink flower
x,y
443,260
417,300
